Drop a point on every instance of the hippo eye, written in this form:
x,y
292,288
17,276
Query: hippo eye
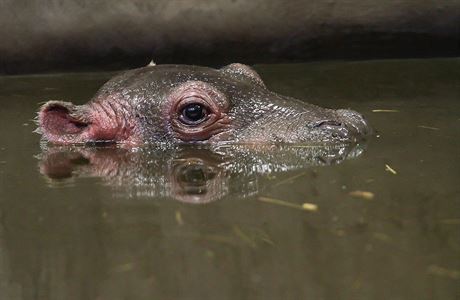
x,y
197,111
193,113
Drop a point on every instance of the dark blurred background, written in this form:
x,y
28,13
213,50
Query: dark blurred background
x,y
73,35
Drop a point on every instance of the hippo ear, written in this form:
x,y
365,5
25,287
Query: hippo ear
x,y
62,122
244,73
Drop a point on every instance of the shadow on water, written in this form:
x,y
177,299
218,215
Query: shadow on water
x,y
188,174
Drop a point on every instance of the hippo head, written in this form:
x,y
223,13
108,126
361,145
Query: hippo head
x,y
171,104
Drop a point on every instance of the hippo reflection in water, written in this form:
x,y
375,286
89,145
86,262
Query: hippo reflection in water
x,y
188,174
177,104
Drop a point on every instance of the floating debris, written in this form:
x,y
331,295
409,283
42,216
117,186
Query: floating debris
x,y
179,219
279,202
310,206
385,111
244,237
390,169
362,194
263,236
304,206
428,127
252,236
292,178
440,271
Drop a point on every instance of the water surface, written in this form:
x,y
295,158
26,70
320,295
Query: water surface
x,y
378,220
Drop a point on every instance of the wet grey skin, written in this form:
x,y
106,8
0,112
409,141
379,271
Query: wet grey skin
x,y
176,104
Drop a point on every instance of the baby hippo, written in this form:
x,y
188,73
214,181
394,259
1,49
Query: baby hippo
x,y
171,104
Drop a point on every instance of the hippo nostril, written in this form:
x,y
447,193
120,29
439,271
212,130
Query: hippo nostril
x,y
327,123
329,129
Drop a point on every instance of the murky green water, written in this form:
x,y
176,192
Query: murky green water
x,y
381,220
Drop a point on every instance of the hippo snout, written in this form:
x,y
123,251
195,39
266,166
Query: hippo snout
x,y
342,125
355,122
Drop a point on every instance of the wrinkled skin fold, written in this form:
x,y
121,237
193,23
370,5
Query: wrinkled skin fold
x,y
179,104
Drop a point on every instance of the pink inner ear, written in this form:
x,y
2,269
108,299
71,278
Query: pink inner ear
x,y
56,120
